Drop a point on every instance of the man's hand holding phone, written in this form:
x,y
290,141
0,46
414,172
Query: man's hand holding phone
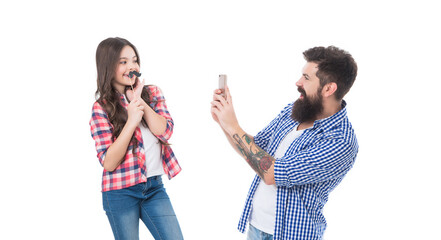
x,y
222,109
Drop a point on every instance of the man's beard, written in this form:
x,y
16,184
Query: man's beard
x,y
308,108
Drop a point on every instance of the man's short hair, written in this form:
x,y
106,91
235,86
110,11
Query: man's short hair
x,y
334,65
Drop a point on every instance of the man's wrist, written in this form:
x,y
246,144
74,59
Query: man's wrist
x,y
235,130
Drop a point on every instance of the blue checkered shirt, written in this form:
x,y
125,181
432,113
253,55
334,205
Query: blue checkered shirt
x,y
314,164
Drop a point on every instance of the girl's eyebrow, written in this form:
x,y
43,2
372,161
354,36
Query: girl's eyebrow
x,y
127,58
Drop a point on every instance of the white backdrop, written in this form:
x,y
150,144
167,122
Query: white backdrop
x,y
50,177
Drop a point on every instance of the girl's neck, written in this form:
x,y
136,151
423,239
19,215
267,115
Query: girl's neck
x,y
119,88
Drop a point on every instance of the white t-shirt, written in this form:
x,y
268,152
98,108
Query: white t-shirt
x,y
263,214
152,147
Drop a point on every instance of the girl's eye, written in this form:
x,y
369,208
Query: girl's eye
x,y
123,62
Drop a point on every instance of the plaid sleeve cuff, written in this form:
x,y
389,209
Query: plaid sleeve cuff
x,y
281,173
167,133
160,107
101,131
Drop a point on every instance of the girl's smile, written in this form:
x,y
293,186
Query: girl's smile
x,y
128,61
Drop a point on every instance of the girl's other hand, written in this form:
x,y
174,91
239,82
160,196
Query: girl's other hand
x,y
136,93
135,111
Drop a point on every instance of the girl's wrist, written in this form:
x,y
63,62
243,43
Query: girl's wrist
x,y
147,107
131,124
144,104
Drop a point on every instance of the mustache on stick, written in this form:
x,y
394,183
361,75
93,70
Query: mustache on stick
x,y
131,76
134,73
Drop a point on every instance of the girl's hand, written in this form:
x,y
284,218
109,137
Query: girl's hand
x,y
135,111
136,93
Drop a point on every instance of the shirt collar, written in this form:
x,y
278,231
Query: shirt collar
x,y
123,99
332,120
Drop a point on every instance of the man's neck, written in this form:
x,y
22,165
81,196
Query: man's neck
x,y
330,109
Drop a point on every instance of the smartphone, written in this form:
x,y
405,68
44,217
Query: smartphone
x,y
222,83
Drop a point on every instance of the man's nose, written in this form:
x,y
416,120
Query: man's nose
x,y
299,83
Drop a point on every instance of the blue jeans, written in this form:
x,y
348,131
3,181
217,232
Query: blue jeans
x,y
256,234
146,201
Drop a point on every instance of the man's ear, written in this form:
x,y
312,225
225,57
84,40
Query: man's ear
x,y
329,89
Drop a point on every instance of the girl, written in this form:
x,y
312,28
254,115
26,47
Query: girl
x,y
131,126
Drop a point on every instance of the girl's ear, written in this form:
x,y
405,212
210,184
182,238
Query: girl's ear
x,y
329,89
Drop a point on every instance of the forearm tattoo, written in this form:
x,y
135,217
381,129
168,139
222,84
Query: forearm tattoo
x,y
258,159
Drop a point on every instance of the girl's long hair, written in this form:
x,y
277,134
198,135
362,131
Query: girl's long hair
x,y
107,59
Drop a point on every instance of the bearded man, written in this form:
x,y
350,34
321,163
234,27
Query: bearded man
x,y
302,155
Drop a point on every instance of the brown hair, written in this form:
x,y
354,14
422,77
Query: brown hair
x,y
107,59
334,65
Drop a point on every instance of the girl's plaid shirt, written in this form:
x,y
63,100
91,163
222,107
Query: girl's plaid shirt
x,y
132,170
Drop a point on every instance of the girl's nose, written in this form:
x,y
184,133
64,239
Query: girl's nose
x,y
132,65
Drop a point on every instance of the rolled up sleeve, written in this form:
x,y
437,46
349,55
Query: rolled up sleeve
x,y
101,130
323,161
160,107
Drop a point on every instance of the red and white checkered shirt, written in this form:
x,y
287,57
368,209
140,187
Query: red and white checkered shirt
x,y
132,170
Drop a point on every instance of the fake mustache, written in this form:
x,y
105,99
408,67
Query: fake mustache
x,y
134,73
